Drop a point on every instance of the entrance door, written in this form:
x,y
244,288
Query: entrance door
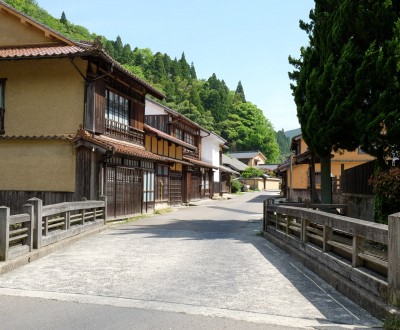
x,y
124,191
175,190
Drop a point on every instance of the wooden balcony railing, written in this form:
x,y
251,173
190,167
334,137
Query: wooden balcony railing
x,y
124,132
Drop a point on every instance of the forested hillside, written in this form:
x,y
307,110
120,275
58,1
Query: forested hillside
x,y
209,102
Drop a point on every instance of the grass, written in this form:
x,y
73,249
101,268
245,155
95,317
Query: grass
x,y
391,323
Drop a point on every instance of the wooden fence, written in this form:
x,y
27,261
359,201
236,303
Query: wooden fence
x,y
42,225
355,180
370,250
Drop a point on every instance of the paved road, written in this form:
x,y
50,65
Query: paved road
x,y
199,267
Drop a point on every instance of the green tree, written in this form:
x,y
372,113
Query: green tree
x,y
63,18
284,145
240,92
347,85
185,67
215,97
193,74
246,128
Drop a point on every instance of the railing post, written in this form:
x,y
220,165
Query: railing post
x,y
83,216
67,219
4,232
29,208
265,215
104,199
327,236
357,248
393,259
289,220
37,221
304,224
269,201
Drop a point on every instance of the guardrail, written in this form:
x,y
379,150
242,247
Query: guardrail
x,y
42,225
370,250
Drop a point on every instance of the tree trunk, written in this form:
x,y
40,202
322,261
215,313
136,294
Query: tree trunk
x,y
313,192
326,180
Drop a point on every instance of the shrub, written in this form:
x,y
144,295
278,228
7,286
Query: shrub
x,y
236,186
386,186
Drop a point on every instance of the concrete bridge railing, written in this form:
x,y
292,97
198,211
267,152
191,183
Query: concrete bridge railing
x,y
42,225
358,257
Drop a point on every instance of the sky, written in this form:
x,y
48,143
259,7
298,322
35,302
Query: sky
x,y
247,41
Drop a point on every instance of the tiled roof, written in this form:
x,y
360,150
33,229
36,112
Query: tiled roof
x,y
41,51
199,163
233,162
244,154
35,137
229,170
117,146
168,137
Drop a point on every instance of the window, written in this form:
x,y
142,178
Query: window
x,y
117,108
178,133
189,138
148,186
2,104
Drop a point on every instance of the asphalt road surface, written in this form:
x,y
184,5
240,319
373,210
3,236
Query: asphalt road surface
x,y
198,267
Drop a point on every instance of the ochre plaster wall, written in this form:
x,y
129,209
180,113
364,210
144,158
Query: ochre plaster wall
x,y
14,33
300,176
43,97
37,166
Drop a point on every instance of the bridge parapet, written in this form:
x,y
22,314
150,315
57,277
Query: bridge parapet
x,y
360,258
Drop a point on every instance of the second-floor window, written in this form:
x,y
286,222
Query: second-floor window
x,y
189,138
2,104
178,133
117,108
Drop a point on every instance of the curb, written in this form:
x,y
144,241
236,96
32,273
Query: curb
x,y
10,265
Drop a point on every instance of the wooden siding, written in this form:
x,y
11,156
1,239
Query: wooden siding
x,y
355,180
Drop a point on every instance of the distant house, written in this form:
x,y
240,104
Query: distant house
x,y
198,170
250,158
295,171
233,164
211,152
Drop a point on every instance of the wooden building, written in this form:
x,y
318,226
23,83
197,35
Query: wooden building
x,y
296,178
196,176
71,122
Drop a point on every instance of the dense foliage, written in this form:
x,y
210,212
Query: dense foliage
x,y
386,186
209,102
347,90
252,172
284,145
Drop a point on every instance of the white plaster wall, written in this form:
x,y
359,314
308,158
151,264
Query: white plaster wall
x,y
153,109
210,152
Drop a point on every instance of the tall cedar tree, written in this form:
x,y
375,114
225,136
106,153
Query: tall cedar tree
x,y
335,89
240,92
